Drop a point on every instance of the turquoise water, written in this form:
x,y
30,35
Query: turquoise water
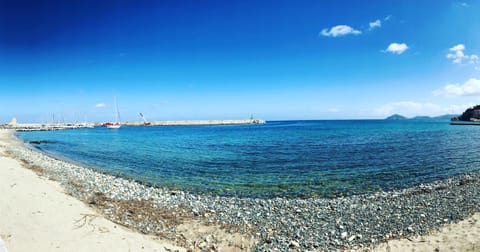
x,y
281,158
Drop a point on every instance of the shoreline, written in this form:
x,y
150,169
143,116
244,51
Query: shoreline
x,y
127,203
360,222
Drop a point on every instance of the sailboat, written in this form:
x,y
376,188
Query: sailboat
x,y
115,125
145,122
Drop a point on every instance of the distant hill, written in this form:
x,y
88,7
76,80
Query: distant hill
x,y
446,117
422,118
435,118
396,117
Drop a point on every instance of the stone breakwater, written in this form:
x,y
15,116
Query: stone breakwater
x,y
65,126
197,122
358,222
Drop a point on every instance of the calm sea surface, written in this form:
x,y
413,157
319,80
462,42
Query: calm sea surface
x,y
282,158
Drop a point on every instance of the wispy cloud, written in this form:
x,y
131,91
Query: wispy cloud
x,y
339,30
387,18
100,105
375,24
397,48
458,56
470,88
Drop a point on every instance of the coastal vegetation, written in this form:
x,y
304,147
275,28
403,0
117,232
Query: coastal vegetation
x,y
470,114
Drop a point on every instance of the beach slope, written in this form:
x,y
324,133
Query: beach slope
x,y
461,236
36,215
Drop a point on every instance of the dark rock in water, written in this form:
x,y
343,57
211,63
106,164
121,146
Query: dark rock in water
x,y
396,117
41,142
469,114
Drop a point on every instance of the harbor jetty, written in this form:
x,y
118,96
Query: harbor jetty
x,y
44,126
64,126
196,122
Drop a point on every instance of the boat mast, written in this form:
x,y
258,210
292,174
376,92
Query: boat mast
x,y
117,113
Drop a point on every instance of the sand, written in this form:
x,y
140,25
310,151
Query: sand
x,y
36,215
461,236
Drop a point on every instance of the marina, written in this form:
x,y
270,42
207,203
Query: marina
x,y
66,126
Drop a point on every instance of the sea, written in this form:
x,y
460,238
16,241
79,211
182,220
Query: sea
x,y
327,158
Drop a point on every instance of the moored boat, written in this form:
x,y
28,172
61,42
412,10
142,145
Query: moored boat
x,y
112,125
117,124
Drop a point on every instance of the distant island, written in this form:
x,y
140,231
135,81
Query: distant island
x,y
397,117
471,116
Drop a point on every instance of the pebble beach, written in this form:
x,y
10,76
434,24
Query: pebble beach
x,y
356,222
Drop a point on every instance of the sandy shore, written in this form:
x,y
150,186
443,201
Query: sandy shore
x,y
37,214
461,236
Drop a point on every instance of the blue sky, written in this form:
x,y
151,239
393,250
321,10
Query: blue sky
x,y
230,59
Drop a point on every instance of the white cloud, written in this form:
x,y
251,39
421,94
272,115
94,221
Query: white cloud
x,y
375,24
339,30
387,17
397,48
459,47
100,105
473,59
470,88
458,55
